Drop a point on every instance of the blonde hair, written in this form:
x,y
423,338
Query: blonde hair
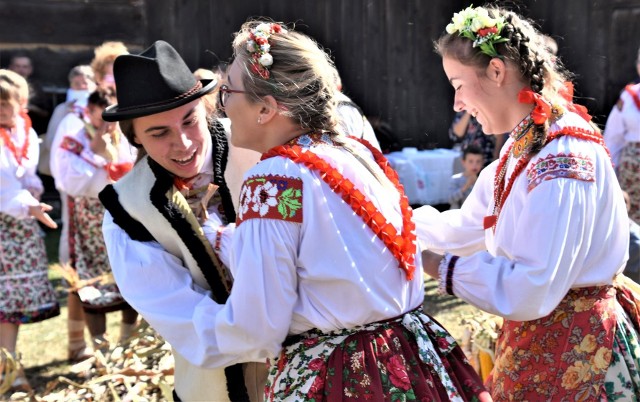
x,y
301,78
13,88
105,55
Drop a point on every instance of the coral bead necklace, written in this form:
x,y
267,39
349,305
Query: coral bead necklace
x,y
6,139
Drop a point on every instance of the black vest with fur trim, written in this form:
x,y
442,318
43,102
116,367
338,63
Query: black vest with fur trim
x,y
148,207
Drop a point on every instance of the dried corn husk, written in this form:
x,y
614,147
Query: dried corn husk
x,y
479,340
140,369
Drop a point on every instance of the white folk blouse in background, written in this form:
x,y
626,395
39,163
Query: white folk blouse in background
x,y
78,171
20,187
328,272
623,123
555,231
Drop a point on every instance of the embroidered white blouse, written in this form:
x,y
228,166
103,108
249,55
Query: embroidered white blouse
x,y
321,268
20,186
563,226
623,123
77,170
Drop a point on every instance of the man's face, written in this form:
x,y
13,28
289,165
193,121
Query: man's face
x,y
177,139
22,66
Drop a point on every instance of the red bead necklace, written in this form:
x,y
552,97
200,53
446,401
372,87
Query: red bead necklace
x,y
6,138
403,245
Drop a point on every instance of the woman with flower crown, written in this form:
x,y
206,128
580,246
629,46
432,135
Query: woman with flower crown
x,y
543,235
323,251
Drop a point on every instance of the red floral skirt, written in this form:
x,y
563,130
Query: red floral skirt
x,y
563,356
88,256
411,357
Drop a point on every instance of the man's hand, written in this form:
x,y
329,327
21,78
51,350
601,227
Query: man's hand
x,y
101,141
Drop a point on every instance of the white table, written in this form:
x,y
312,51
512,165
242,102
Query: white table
x,y
426,174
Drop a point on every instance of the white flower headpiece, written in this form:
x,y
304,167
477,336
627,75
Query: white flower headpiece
x,y
477,25
259,47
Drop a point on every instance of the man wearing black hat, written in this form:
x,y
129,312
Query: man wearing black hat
x,y
162,262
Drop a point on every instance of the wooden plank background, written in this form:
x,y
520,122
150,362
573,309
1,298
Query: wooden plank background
x,y
383,48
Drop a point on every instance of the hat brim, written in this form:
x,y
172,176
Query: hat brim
x,y
112,113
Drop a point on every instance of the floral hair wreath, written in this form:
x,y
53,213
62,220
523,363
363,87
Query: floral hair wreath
x,y
258,46
482,29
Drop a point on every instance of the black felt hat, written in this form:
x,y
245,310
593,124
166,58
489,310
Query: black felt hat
x,y
153,81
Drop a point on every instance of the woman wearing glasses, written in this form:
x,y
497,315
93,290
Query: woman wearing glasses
x,y
323,251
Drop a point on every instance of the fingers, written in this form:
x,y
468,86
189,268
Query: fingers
x,y
39,212
47,221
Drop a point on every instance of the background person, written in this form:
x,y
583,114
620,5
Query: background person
x,y
102,64
622,136
86,161
462,183
27,294
38,108
351,119
544,231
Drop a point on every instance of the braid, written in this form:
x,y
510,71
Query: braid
x,y
532,66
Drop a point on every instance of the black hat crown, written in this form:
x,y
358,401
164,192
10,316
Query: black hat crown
x,y
153,81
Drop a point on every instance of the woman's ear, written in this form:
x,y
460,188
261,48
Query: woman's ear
x,y
496,71
268,110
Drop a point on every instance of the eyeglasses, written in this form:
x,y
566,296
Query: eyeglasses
x,y
224,92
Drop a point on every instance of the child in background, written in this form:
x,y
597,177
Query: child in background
x,y
27,294
462,183
85,162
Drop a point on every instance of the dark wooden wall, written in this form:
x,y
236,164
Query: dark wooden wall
x,y
383,48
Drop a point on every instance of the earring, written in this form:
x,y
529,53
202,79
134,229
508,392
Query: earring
x,y
260,120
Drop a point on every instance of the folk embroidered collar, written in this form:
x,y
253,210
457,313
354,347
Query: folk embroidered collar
x,y
401,245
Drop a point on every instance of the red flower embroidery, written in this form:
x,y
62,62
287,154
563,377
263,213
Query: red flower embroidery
x,y
317,387
398,373
443,343
316,364
310,342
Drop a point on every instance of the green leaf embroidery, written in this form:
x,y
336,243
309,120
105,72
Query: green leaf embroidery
x,y
289,202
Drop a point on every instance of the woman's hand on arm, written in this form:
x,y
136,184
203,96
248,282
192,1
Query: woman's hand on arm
x,y
430,263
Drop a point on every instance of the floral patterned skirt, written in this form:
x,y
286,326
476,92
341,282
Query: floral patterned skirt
x,y
629,176
88,256
411,357
27,293
586,349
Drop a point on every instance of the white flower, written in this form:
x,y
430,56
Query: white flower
x,y
458,21
476,25
265,48
451,28
251,46
264,27
264,197
245,200
265,60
